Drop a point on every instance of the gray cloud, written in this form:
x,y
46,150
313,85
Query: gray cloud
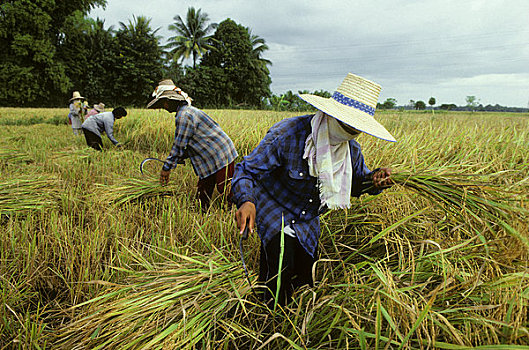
x,y
414,49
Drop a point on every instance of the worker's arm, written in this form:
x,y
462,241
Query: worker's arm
x,y
264,159
184,130
109,130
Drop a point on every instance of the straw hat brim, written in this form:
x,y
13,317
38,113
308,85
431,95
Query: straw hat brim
x,y
156,103
77,98
351,116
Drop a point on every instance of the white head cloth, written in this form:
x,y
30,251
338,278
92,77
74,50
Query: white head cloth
x,y
329,157
160,89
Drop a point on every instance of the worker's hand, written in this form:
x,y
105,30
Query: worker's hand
x,y
164,176
245,216
382,178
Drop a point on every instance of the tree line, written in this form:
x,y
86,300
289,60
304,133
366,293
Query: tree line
x,y
472,105
50,48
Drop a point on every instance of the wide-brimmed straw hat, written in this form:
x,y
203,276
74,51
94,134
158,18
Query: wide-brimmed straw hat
x,y
100,107
76,96
167,89
354,102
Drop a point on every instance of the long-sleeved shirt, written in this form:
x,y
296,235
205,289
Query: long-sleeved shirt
x,y
102,122
275,177
76,114
200,138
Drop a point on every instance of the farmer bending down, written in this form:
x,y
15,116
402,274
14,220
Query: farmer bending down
x,y
304,166
199,138
102,122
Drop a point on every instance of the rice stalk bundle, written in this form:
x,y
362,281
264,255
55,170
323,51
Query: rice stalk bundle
x,y
180,304
15,156
19,196
135,189
471,197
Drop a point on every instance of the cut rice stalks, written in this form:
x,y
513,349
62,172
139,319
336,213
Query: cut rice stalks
x,y
472,197
20,196
179,304
136,190
15,156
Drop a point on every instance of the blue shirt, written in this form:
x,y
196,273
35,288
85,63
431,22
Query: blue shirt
x,y
101,122
275,177
200,138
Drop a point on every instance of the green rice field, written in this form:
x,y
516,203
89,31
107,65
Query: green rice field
x,y
95,255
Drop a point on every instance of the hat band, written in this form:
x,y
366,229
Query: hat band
x,y
349,102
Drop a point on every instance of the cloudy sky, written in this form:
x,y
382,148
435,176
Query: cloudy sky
x,y
415,49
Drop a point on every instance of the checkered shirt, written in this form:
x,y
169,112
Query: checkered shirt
x,y
200,138
275,177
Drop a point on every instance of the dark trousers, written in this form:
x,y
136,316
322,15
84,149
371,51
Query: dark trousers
x,y
296,268
93,140
221,179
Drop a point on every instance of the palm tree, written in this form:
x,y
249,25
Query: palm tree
x,y
258,48
192,35
140,26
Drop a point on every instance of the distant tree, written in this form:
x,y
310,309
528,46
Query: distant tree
x,y
31,71
73,51
203,83
89,53
258,48
139,65
390,103
304,106
448,107
172,70
322,93
279,103
420,105
472,102
192,35
431,101
412,103
102,50
232,53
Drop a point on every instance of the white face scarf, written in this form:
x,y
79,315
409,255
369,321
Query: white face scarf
x,y
329,157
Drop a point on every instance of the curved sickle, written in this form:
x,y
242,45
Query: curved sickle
x,y
146,160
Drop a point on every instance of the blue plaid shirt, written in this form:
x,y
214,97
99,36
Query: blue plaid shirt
x,y
275,177
200,138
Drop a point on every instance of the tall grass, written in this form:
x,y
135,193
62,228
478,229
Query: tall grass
x,y
404,269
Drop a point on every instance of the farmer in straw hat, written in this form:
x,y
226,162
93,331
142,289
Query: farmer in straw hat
x,y
77,110
303,166
98,108
199,138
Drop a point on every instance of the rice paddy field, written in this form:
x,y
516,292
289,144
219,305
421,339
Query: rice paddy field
x,y
95,255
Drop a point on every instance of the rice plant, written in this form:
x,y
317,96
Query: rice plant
x,y
471,197
20,196
95,254
180,304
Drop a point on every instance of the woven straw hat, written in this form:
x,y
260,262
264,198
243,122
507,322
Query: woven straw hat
x,y
354,103
167,89
100,107
76,96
